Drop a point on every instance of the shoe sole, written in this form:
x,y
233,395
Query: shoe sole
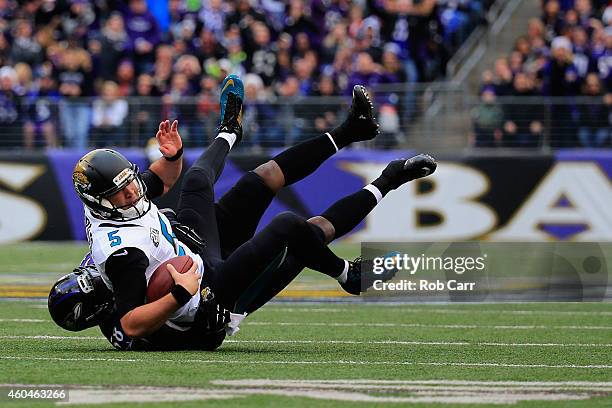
x,y
235,82
362,100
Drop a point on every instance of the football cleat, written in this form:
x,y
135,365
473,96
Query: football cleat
x,y
361,116
401,171
362,106
360,124
361,276
230,101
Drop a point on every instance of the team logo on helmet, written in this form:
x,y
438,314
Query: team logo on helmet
x,y
80,179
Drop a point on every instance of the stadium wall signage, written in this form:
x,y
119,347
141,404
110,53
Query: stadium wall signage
x,y
565,196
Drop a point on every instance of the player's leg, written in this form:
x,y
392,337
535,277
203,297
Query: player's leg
x,y
230,278
344,215
241,208
339,219
301,160
196,201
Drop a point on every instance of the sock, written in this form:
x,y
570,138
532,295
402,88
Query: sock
x,y
213,159
375,191
229,137
341,135
344,275
349,211
303,159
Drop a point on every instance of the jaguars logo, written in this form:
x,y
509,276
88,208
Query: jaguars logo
x,y
207,294
80,179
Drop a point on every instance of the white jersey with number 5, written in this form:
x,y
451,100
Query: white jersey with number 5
x,y
152,234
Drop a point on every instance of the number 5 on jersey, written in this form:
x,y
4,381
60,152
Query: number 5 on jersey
x,y
114,238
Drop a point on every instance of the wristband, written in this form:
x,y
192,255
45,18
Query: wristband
x,y
177,156
181,295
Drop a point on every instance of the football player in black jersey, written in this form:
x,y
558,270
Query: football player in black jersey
x,y
236,257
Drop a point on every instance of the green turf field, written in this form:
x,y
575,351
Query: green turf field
x,y
320,353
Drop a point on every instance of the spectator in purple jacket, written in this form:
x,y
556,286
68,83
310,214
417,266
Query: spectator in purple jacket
x,y
143,32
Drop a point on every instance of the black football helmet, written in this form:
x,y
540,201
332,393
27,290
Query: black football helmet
x,y
100,174
80,299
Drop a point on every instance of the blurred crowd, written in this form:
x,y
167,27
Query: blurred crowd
x,y
70,67
561,72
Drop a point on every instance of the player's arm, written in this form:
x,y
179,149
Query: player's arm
x,y
126,270
146,319
168,168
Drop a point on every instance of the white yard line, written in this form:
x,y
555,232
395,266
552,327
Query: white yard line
x,y
364,324
366,342
331,362
25,320
439,311
423,385
495,383
420,325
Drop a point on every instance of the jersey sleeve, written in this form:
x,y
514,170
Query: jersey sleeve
x,y
112,330
126,269
155,185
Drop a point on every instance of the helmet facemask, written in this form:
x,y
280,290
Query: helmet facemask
x,y
130,211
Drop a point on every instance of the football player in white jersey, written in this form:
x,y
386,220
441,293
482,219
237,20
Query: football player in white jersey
x,y
235,258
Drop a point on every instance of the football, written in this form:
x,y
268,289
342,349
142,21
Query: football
x,y
161,281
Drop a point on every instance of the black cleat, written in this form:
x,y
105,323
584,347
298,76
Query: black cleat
x,y
232,116
361,116
361,276
401,171
353,278
362,107
360,124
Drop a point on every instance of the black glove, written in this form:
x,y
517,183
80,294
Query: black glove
x,y
212,316
184,233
